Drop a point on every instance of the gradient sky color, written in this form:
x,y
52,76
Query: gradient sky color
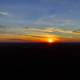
x,y
40,18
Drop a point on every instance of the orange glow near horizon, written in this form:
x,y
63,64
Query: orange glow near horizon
x,y
22,38
50,40
45,39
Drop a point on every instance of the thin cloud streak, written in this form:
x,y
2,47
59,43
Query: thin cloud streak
x,y
54,19
4,13
37,32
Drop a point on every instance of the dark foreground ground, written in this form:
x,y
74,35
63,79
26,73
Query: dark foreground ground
x,y
51,59
39,53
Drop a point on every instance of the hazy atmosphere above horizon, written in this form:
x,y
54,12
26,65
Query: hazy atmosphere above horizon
x,y
34,20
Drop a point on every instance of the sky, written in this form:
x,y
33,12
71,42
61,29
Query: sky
x,y
39,19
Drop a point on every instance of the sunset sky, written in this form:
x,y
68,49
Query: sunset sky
x,y
39,20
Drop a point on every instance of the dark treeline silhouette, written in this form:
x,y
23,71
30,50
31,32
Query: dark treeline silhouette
x,y
39,53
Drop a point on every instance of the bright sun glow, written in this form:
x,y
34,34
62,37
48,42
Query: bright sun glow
x,y
50,40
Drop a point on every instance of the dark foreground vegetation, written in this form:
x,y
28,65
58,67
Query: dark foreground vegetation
x,y
51,59
39,53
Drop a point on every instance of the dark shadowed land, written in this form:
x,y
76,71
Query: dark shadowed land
x,y
39,53
53,58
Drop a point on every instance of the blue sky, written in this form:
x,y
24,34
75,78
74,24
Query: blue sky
x,y
60,14
27,11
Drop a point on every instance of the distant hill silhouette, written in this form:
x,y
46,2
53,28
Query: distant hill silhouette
x,y
39,53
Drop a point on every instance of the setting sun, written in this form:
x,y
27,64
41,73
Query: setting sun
x,y
50,40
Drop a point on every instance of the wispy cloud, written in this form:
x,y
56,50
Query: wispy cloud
x,y
38,32
53,20
54,29
76,31
3,13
